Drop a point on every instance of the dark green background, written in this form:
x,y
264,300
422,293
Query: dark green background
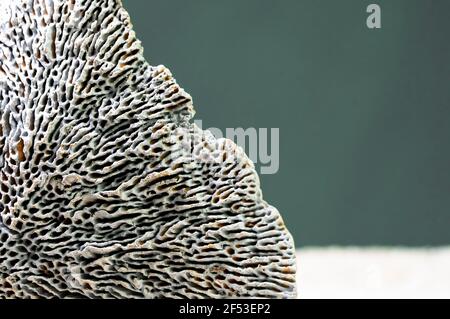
x,y
363,114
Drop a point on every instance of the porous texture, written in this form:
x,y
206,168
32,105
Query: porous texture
x,y
107,188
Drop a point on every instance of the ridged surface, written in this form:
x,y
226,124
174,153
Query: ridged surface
x,y
107,189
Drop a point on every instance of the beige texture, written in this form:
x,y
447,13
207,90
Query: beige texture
x,y
107,188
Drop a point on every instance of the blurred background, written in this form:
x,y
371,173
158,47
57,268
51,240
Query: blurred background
x,y
364,125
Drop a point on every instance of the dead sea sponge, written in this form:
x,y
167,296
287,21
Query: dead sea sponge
x,y
107,189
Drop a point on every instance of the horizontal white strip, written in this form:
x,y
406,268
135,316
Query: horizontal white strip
x,y
373,273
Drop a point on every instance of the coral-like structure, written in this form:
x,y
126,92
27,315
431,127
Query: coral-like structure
x,y
107,189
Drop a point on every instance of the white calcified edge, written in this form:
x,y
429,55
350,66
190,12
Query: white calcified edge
x,y
5,12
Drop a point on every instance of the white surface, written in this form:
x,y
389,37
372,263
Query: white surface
x,y
373,273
